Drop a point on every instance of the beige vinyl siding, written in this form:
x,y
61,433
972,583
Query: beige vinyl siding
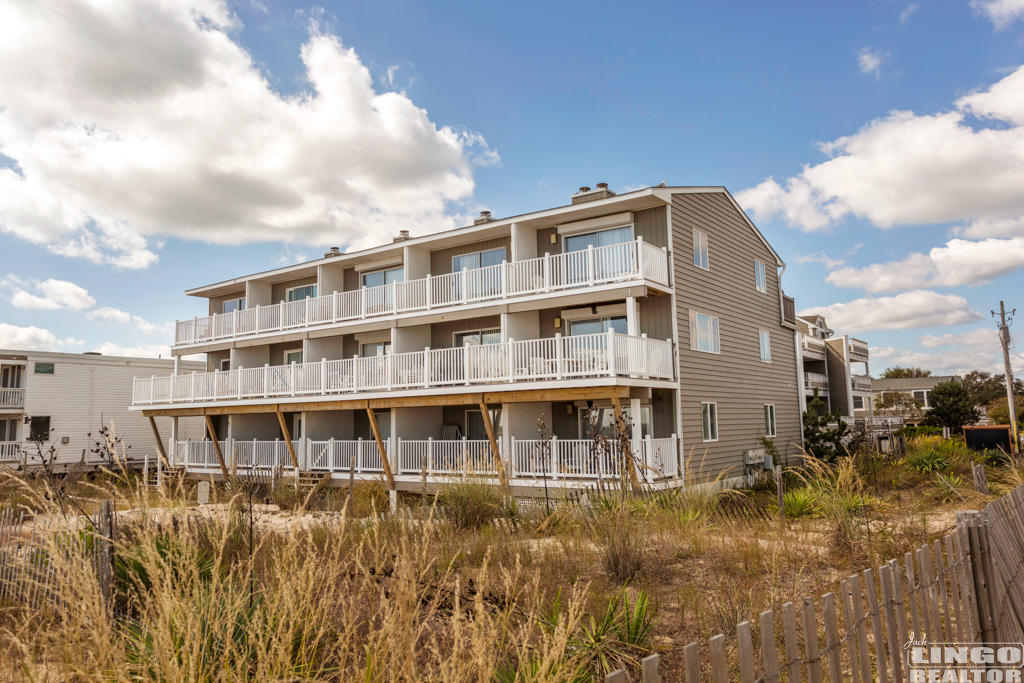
x,y
544,243
84,394
650,224
656,316
735,379
835,356
350,278
441,260
279,290
441,333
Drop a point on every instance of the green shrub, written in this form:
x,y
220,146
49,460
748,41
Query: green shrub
x,y
928,460
913,431
798,502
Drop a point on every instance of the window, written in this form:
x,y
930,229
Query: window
x,y
225,363
921,396
236,305
9,430
300,293
765,340
769,419
370,349
601,238
44,369
478,259
700,250
760,281
292,356
858,403
704,332
709,420
10,376
383,277
598,325
39,428
476,337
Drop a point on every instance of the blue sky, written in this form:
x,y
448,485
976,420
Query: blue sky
x,y
132,162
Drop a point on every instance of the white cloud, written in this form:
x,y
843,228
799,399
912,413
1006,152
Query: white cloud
x,y
908,12
919,308
122,134
870,61
983,337
142,351
1001,13
108,314
958,262
952,362
31,338
1004,227
47,294
906,169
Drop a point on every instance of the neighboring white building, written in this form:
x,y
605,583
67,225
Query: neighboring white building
x,y
60,398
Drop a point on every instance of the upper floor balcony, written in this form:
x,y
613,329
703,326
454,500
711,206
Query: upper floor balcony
x,y
812,347
554,358
861,382
575,270
816,380
858,350
12,397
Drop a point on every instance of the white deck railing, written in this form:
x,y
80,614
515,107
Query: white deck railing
x,y
573,270
858,347
553,358
813,344
11,397
530,459
861,382
10,451
815,380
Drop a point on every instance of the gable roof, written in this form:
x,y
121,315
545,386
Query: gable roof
x,y
911,383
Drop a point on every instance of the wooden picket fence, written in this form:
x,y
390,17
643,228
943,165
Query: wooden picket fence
x,y
967,587
27,573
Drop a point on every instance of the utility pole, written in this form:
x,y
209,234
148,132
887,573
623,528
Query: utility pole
x,y
1004,339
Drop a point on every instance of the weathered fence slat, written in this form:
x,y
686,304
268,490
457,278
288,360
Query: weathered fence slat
x,y
768,656
746,652
792,662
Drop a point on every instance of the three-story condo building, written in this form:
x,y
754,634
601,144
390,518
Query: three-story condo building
x,y
501,349
834,366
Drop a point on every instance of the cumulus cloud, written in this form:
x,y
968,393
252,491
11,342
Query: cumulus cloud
x,y
918,308
1001,13
958,262
47,294
950,362
135,121
907,168
142,351
870,61
984,337
116,316
31,338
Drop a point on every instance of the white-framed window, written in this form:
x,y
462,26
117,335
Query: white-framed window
x,y
299,293
232,305
704,332
765,341
476,337
858,402
292,356
598,325
700,249
599,238
769,419
378,348
478,259
386,276
921,396
709,421
760,279
225,364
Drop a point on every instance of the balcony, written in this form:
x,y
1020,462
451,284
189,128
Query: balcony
x,y
816,380
530,360
10,451
813,347
12,397
575,270
858,350
788,310
861,383
555,459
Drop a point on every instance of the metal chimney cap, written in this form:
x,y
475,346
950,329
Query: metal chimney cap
x,y
333,251
584,188
602,186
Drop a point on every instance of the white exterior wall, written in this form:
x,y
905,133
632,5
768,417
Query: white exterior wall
x,y
86,392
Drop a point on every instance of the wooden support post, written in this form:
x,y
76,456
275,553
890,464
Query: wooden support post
x,y
627,450
159,443
388,476
216,447
286,433
489,426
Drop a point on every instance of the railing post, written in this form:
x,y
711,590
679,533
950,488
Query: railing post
x,y
257,327
330,451
388,368
192,395
216,382
504,278
394,297
426,366
195,329
307,306
430,291
590,263
465,456
430,454
644,359
335,308
553,456
465,362
355,372
510,351
362,302
640,256
559,356
648,453
611,352
465,285
323,375
359,455
511,457
280,316
292,380
238,381
547,272
671,357
266,379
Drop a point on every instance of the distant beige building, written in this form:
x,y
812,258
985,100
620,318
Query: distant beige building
x,y
837,366
436,355
917,388
58,399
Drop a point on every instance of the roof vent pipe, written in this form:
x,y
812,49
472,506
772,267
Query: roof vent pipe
x,y
485,217
333,251
403,235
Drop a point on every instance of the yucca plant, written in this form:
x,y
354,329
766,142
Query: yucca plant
x,y
798,502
